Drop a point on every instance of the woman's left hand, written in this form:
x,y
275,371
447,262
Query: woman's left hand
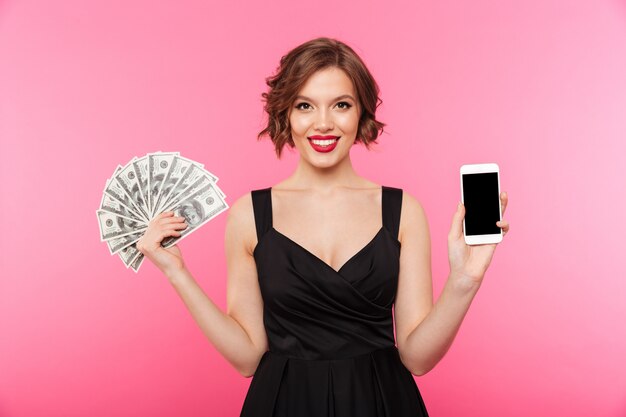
x,y
471,261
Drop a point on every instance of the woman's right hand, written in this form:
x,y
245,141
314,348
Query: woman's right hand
x,y
165,224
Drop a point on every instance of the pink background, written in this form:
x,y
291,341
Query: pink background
x,y
538,86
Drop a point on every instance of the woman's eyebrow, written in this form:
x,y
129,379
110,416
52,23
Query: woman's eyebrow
x,y
336,98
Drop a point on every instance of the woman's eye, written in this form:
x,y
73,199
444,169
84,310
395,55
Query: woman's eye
x,y
346,105
300,106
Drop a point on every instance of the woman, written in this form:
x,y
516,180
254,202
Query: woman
x,y
314,262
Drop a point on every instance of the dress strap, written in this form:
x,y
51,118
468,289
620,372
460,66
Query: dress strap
x,y
262,204
392,206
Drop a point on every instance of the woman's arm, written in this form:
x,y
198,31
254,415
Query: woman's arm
x,y
425,332
239,335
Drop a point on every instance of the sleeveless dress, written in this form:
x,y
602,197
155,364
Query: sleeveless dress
x,y
330,333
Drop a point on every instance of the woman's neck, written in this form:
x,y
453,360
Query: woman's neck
x,y
307,176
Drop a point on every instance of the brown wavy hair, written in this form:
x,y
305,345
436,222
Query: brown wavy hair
x,y
294,70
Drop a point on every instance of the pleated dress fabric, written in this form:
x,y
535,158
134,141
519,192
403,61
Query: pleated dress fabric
x,y
330,332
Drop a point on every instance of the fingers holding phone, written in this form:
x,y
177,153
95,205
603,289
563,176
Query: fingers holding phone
x,y
477,225
504,198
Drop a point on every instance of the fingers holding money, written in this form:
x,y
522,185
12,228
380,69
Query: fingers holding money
x,y
171,219
162,226
171,224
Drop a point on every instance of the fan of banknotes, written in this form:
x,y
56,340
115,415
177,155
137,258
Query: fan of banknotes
x,y
148,186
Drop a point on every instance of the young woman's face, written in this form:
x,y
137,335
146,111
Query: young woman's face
x,y
325,118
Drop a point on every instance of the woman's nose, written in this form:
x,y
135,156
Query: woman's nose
x,y
324,121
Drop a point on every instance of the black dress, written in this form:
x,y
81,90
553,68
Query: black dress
x,y
331,341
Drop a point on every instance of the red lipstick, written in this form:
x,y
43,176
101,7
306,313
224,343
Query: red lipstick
x,y
323,144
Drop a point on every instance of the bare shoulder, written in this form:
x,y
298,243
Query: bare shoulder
x,y
413,216
240,224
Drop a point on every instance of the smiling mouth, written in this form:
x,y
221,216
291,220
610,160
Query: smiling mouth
x,y
323,144
323,140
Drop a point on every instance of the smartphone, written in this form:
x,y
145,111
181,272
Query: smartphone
x,y
480,193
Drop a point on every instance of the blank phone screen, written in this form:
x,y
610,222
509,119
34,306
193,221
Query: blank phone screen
x,y
482,203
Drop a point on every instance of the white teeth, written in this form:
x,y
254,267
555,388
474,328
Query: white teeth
x,y
324,142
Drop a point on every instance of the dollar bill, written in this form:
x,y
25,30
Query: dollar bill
x,y
113,205
214,179
197,209
140,166
176,172
190,178
159,165
127,178
115,190
113,225
128,254
136,262
116,244
199,182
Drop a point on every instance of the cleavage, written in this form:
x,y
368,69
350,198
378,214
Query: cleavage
x,y
342,227
329,264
